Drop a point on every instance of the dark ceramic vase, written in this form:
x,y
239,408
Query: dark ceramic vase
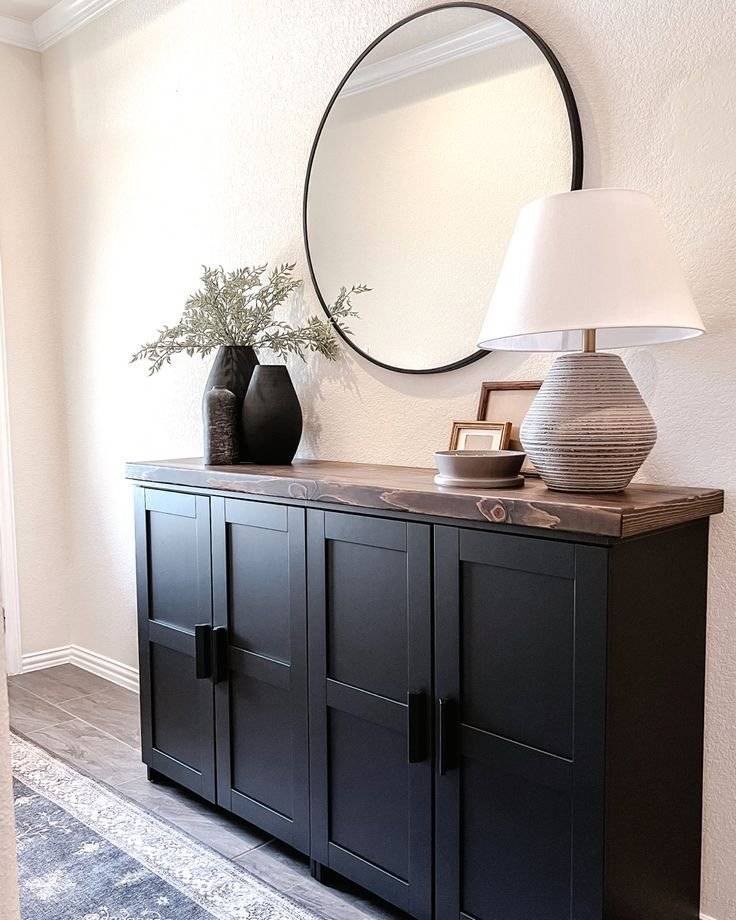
x,y
272,416
232,369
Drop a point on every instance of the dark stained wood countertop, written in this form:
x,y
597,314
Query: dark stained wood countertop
x,y
639,509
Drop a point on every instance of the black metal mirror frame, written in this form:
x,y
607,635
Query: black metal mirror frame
x,y
576,136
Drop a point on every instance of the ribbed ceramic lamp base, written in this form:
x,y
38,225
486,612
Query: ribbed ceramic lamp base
x,y
588,430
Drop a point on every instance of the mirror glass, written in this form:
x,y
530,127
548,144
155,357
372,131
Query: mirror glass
x,y
441,131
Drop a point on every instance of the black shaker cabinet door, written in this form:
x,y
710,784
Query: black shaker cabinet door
x,y
370,679
519,679
174,627
260,619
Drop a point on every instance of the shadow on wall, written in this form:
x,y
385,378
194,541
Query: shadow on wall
x,y
311,376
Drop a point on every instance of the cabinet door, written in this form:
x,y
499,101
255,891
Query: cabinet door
x,y
260,640
520,678
370,679
174,605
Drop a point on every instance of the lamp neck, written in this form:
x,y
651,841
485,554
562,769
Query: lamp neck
x,y
588,341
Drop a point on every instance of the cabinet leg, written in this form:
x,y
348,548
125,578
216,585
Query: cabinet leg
x,y
319,872
154,776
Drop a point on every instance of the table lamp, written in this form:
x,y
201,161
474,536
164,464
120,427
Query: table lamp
x,y
585,270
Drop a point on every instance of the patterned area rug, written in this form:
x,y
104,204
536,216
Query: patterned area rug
x,y
85,853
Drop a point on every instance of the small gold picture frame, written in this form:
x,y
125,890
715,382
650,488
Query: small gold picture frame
x,y
477,435
509,399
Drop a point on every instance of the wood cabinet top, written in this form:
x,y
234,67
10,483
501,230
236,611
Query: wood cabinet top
x,y
639,509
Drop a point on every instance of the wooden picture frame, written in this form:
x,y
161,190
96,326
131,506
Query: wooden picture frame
x,y
509,399
496,434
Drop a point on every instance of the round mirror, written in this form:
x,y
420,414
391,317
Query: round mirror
x,y
444,127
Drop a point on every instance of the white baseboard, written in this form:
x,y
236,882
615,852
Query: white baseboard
x,y
37,661
115,671
706,917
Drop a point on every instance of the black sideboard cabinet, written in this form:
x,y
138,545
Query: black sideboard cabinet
x,y
471,719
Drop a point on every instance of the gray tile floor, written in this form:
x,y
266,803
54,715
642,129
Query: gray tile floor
x,y
94,725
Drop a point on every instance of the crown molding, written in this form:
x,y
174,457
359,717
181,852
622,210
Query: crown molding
x,y
432,54
66,17
61,20
18,33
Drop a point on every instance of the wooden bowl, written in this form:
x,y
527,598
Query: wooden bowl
x,y
479,464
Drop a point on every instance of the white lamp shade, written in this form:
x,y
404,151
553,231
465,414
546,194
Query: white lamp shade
x,y
593,259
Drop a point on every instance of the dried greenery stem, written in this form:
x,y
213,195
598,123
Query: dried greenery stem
x,y
237,308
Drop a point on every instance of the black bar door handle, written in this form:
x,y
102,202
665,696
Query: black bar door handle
x,y
202,651
219,654
447,734
416,714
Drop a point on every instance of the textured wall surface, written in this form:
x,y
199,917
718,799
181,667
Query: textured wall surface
x,y
34,354
179,132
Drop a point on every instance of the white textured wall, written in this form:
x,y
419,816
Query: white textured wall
x,y
34,353
179,134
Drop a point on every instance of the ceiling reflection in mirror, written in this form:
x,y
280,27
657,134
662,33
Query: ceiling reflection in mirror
x,y
437,137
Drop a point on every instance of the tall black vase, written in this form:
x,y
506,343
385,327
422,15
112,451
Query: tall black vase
x,y
272,416
232,369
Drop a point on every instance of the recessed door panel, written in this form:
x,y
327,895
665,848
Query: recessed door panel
x,y
367,617
517,648
258,571
369,791
261,743
180,713
174,561
516,838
